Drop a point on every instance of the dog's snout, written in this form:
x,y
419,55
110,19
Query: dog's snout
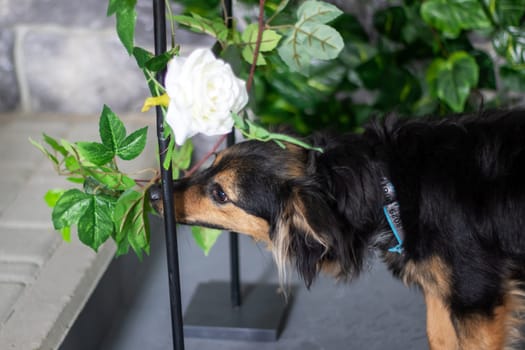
x,y
155,193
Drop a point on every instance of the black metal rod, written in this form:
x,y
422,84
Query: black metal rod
x,y
235,283
170,227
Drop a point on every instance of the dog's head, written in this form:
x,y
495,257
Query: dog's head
x,y
259,189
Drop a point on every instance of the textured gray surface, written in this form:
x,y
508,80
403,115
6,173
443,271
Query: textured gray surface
x,y
9,94
374,312
73,72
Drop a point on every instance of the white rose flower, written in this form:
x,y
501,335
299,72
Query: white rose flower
x,y
203,92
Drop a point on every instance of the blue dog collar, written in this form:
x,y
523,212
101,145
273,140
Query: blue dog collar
x,y
393,214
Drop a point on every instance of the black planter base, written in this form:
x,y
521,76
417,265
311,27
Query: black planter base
x,y
260,317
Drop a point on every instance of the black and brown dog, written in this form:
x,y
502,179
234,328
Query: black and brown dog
x,y
443,201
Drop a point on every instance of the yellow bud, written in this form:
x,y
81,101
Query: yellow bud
x,y
162,100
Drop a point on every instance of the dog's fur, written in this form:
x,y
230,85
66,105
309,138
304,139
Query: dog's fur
x,y
460,183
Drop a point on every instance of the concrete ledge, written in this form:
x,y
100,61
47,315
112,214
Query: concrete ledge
x,y
45,282
46,309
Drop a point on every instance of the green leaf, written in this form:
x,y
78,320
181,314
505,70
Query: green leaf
x,y
205,237
69,147
248,53
95,225
269,41
126,18
75,180
113,6
69,208
95,152
54,144
158,63
451,80
181,158
52,196
295,57
142,56
311,38
350,28
390,22
507,12
109,178
169,152
111,129
131,222
319,40
510,43
72,164
487,76
214,27
133,145
452,16
513,79
65,232
42,149
318,11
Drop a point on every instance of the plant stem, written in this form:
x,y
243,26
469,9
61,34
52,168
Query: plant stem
x,y
257,45
172,26
206,156
249,84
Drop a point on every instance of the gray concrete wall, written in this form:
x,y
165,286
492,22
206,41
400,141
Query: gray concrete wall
x,y
63,56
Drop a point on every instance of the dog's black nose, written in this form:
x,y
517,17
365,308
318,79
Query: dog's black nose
x,y
155,193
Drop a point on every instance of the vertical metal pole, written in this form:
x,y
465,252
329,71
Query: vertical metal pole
x,y
235,284
170,227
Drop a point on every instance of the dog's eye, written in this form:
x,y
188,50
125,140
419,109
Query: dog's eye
x,y
219,195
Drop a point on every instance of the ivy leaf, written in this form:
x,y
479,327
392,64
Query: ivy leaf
x,y
248,53
205,237
390,22
214,27
507,12
95,225
311,37
142,56
269,41
318,11
95,152
126,17
319,40
69,208
133,145
513,79
158,63
510,43
169,152
111,129
181,158
487,77
132,222
295,57
52,196
451,80
452,16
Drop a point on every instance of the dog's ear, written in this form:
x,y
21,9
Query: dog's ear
x,y
305,231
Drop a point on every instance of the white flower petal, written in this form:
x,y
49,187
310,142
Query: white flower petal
x,y
203,92
180,121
